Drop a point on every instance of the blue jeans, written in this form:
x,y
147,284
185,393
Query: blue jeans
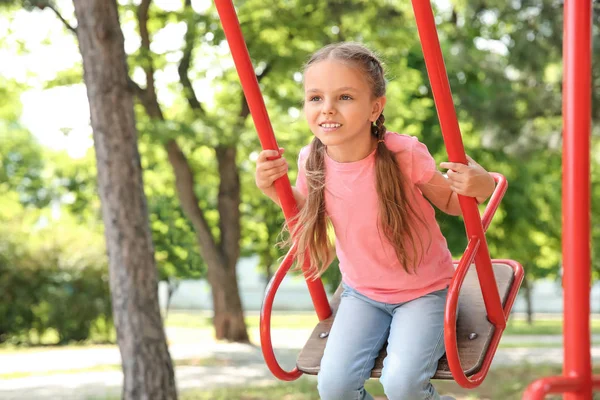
x,y
414,331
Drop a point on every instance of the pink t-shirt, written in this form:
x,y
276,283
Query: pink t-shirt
x,y
368,262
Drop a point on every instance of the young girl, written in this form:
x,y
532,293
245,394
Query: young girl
x,y
375,188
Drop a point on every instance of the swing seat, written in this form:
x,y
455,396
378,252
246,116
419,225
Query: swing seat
x,y
474,331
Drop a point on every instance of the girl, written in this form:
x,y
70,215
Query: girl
x,y
374,187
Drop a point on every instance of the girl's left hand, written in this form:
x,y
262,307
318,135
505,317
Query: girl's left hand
x,y
469,180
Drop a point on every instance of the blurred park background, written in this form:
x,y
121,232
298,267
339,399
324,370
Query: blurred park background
x,y
201,278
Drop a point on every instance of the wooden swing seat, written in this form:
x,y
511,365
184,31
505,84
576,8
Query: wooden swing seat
x,y
474,331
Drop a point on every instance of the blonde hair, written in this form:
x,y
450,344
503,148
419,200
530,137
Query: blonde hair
x,y
397,217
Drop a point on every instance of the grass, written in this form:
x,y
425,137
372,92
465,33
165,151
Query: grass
x,y
50,340
196,362
536,345
516,325
501,383
186,319
293,321
27,374
506,383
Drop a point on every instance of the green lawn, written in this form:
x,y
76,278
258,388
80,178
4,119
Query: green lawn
x,y
183,319
500,384
516,326
301,321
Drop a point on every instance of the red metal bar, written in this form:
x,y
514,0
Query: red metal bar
x,y
245,69
450,339
494,202
456,153
464,264
556,384
577,372
265,321
576,195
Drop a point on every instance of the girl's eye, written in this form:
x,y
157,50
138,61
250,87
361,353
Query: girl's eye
x,y
314,98
345,97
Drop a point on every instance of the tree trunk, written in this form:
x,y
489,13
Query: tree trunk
x,y
147,365
528,300
172,286
228,316
221,258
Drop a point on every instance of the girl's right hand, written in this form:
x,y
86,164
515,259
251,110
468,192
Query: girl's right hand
x,y
269,168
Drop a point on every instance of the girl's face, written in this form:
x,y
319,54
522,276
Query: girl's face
x,y
340,108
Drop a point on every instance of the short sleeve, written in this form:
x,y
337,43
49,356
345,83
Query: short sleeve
x,y
423,163
301,179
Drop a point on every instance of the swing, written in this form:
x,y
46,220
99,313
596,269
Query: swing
x,y
482,289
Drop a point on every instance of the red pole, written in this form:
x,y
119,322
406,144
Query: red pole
x,y
245,69
576,381
442,95
576,194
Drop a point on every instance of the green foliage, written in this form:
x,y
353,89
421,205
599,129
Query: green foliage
x,y
56,281
504,66
176,250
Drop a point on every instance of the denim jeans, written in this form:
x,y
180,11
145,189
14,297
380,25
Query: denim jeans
x,y
414,331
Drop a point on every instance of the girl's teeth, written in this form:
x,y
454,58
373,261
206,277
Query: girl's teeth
x,y
331,125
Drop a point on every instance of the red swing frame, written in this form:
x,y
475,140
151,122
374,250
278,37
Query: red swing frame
x,y
577,377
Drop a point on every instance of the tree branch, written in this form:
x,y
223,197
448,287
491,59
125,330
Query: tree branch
x,y
229,189
229,203
142,15
184,182
184,177
186,60
62,19
245,109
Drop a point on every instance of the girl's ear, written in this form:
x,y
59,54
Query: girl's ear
x,y
377,109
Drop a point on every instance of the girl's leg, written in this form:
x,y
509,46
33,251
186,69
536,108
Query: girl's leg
x,y
359,331
415,345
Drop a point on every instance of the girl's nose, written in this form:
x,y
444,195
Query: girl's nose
x,y
328,108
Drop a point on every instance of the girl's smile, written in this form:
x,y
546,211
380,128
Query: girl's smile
x,y
330,126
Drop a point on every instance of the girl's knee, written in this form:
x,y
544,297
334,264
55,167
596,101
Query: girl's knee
x,y
338,386
406,386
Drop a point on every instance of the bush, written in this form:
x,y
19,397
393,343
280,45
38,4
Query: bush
x,y
55,283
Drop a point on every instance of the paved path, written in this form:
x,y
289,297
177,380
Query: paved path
x,y
232,364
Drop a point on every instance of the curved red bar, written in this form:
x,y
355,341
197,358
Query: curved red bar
x,y
537,390
265,321
494,202
450,339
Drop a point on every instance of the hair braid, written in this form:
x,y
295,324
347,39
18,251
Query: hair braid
x,y
379,126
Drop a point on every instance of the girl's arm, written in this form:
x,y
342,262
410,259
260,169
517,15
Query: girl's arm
x,y
469,180
268,170
272,194
438,191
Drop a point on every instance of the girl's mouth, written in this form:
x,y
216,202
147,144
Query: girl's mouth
x,y
330,126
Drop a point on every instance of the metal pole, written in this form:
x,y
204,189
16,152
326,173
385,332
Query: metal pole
x,y
576,194
576,381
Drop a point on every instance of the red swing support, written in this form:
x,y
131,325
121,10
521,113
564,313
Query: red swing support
x,y
577,381
477,248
